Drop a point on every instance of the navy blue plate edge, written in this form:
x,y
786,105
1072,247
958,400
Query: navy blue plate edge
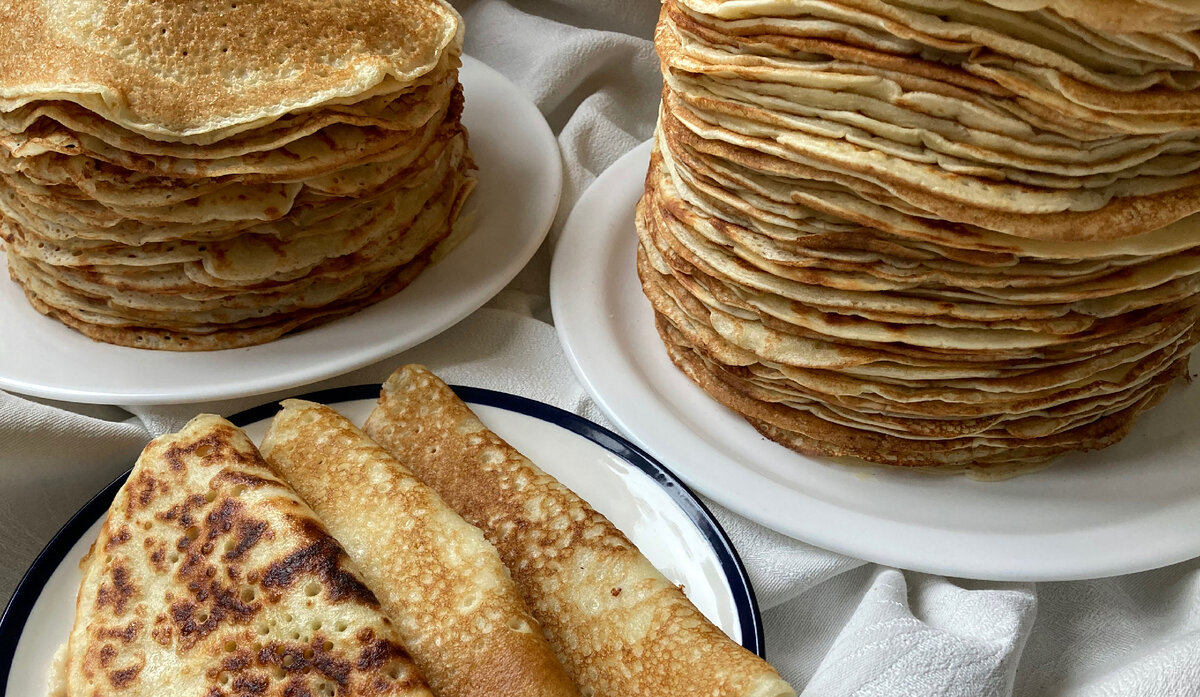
x,y
53,555
16,613
749,616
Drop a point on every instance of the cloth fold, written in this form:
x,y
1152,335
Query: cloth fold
x,y
835,626
52,460
925,635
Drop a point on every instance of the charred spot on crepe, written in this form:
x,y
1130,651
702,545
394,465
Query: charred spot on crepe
x,y
324,558
186,598
117,591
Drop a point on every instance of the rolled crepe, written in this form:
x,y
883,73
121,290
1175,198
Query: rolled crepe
x,y
617,624
458,612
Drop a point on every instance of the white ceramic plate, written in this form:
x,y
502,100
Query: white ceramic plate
x,y
520,181
1131,507
644,500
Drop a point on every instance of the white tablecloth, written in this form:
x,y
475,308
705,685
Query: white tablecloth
x,y
834,625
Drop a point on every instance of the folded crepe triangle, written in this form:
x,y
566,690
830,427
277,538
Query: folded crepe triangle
x,y
212,577
468,630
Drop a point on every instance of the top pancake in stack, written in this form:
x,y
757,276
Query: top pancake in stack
x,y
930,232
189,176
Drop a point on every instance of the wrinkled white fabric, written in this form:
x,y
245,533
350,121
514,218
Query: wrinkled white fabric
x,y
52,460
835,626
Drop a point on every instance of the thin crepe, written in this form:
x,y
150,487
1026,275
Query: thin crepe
x,y
181,71
442,583
211,576
926,232
316,176
619,626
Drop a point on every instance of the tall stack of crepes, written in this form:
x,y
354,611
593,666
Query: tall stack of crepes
x,y
928,232
195,175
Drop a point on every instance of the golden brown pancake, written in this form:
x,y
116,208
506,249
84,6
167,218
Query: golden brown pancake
x,y
927,233
617,624
212,577
307,176
244,66
451,598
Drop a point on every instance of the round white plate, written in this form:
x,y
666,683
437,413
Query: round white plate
x,y
645,501
1131,507
520,181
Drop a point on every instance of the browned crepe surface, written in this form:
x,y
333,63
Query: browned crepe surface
x,y
212,577
444,586
618,626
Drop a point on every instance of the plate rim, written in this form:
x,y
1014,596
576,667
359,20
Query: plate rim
x,y
550,155
596,376
53,555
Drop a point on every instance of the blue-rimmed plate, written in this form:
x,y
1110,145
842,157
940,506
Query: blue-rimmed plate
x,y
641,497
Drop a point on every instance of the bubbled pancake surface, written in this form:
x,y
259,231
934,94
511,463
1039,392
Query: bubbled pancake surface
x,y
440,580
616,623
184,69
210,575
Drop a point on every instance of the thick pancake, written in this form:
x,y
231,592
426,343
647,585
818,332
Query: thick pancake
x,y
469,630
212,577
619,627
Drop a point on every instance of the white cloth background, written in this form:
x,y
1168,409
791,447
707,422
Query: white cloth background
x,y
835,626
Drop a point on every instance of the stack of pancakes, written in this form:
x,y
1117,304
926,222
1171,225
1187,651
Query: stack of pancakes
x,y
928,233
191,177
